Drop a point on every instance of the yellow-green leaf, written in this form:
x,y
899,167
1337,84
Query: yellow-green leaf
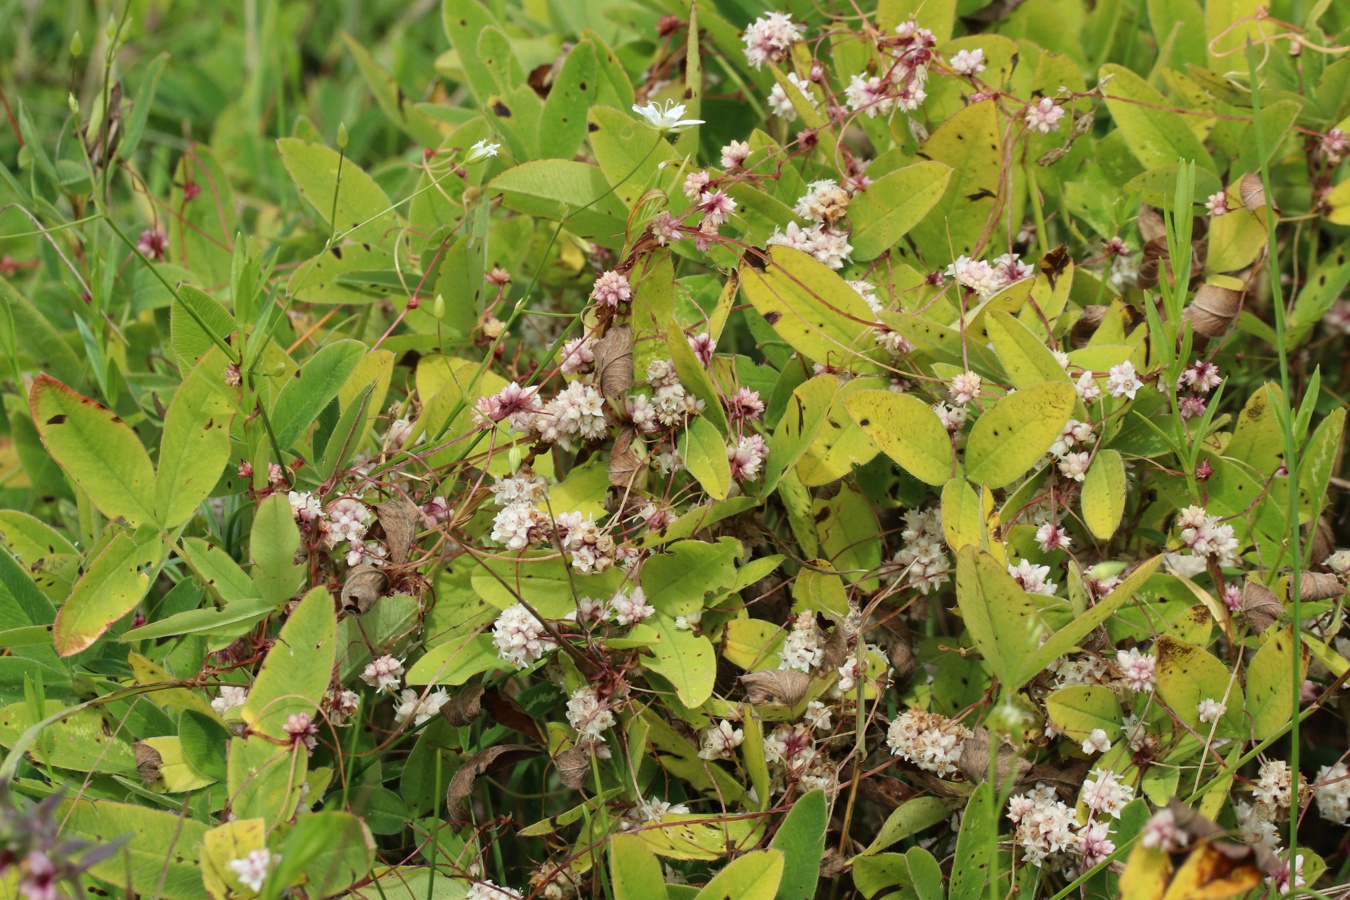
x,y
1104,494
1025,357
113,584
363,211
1156,134
893,204
908,431
754,876
1016,432
97,449
161,855
297,669
705,456
685,659
222,845
196,443
1270,687
1000,616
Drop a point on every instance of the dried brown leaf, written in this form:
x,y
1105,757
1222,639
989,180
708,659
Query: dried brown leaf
x,y
1319,586
399,518
1151,224
1213,309
885,791
1064,775
480,764
463,708
902,658
1252,191
1261,606
777,686
148,762
614,361
362,588
836,650
1088,322
974,760
574,765
624,463
1323,539
506,711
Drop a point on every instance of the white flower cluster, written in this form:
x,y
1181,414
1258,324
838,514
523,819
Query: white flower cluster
x,y
804,647
592,550
588,714
1206,536
924,561
412,705
769,38
1137,670
987,279
929,740
1333,793
252,869
827,246
1032,577
1049,834
384,674
779,102
519,637
721,741
1106,793
794,760
902,84
486,890
645,812
630,607
520,524
231,696
346,522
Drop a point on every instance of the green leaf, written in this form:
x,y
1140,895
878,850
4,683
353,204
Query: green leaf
x,y
1024,355
1080,709
971,143
234,619
264,778
217,570
979,831
1001,617
196,443
274,542
456,661
564,190
966,517
29,538
363,211
635,872
907,430
705,456
631,155
300,401
841,444
801,840
331,850
196,323
97,449
693,374
572,93
893,204
810,307
911,817
113,584
1104,494
801,421
685,659
1155,133
1064,640
297,669
160,856
1013,435
1271,701
679,581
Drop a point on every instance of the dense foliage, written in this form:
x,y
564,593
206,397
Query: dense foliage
x,y
638,449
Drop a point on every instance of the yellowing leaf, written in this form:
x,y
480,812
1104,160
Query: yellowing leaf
x,y
196,443
224,844
635,872
684,659
1000,616
971,143
1080,709
1103,496
754,876
112,586
1025,357
841,444
162,850
908,431
969,519
810,307
363,211
893,204
699,836
176,774
1155,134
705,456
801,421
97,449
1015,433
1270,689
1188,674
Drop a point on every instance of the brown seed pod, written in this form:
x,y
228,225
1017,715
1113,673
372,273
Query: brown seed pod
x,y
1213,310
614,361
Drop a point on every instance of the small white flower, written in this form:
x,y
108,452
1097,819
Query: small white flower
x,y
1217,204
1097,742
721,741
481,151
413,705
230,697
486,890
252,869
666,117
383,674
1123,380
588,714
1210,710
968,62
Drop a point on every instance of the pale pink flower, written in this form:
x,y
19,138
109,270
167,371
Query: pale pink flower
x,y
1044,116
612,289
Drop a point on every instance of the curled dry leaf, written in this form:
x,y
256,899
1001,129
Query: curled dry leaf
x,y
886,791
399,519
1151,224
463,708
504,710
974,759
1151,261
1064,775
574,764
902,658
1323,539
362,588
1251,190
148,762
1261,605
624,462
480,764
1088,322
836,650
1319,586
1213,309
833,864
614,361
783,686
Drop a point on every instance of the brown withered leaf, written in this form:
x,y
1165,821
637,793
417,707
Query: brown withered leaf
x,y
463,708
1065,776
1151,261
836,650
902,657
399,518
1261,605
1227,859
148,762
783,686
614,361
1323,539
1054,263
1319,586
1087,324
362,588
833,864
624,463
574,765
480,764
1252,191
974,760
506,711
1213,309
885,791
1151,224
